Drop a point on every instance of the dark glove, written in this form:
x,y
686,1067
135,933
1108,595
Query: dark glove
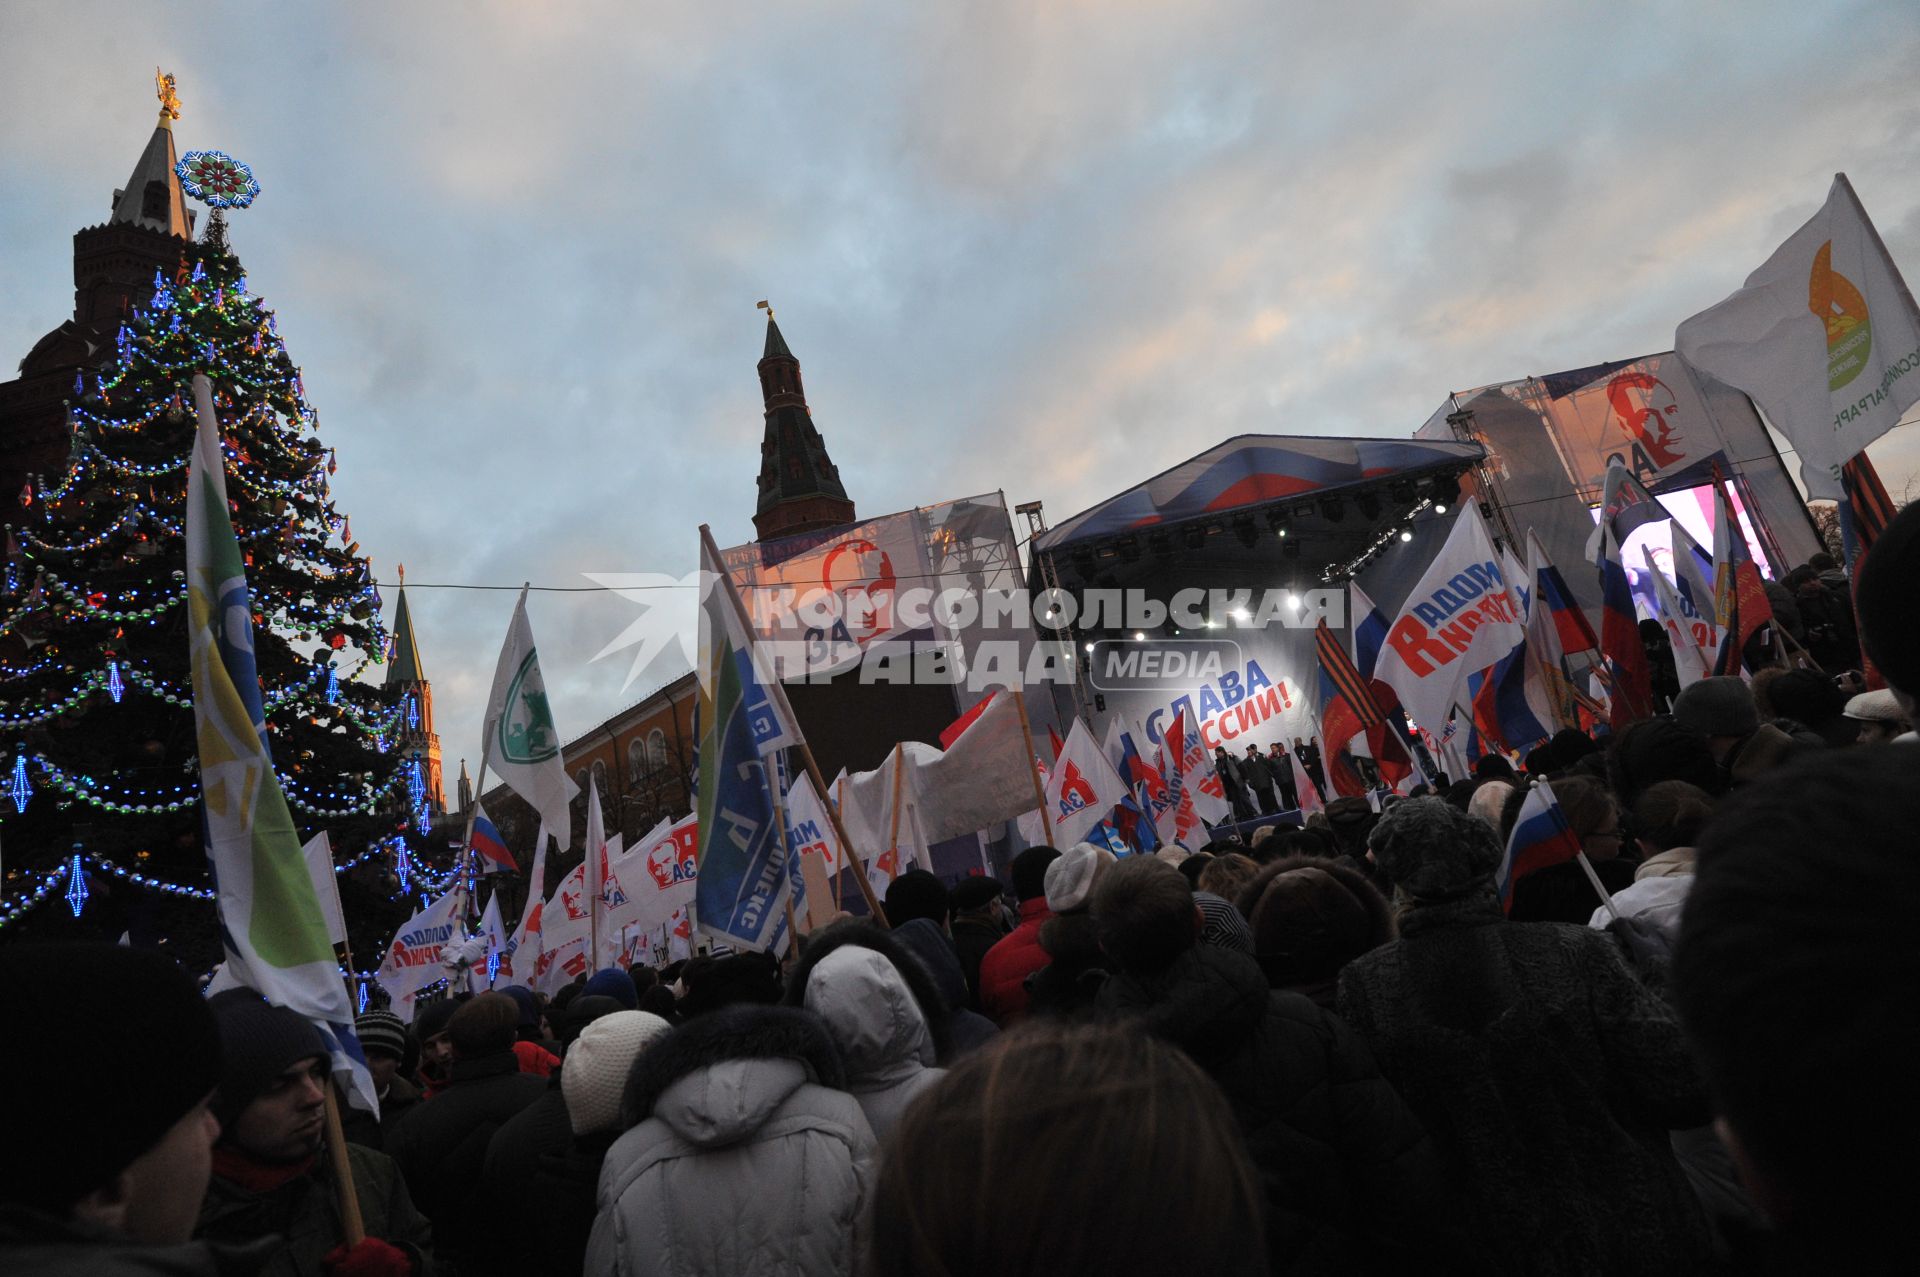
x,y
371,1258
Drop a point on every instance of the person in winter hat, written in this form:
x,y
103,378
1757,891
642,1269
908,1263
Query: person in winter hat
x,y
1221,924
270,1175
1655,750
1547,1073
968,1029
436,1049
1310,917
882,1010
918,893
1059,1121
743,1154
101,1175
1006,966
1877,717
980,920
441,1146
1349,1176
1076,967
543,1164
713,983
386,1044
1722,709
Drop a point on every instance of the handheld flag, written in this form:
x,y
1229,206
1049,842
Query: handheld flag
x,y
413,956
743,720
1689,635
489,845
1459,618
326,885
1629,680
1740,607
1541,837
271,923
1083,788
520,741
1823,336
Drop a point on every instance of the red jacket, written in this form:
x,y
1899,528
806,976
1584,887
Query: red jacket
x,y
1004,971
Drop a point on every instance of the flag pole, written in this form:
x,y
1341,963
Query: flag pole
x,y
352,1226
480,778
1606,897
893,829
839,796
840,830
1026,730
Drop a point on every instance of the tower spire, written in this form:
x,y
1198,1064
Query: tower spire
x,y
152,196
800,489
415,736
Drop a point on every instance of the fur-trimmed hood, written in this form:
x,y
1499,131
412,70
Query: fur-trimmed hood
x,y
715,1078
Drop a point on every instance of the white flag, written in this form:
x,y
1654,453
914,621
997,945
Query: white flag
x,y
1824,337
326,884
493,932
1693,654
413,959
1083,788
983,778
657,877
1459,618
520,742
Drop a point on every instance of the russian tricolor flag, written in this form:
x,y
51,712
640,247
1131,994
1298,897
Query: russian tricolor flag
x,y
1541,837
489,844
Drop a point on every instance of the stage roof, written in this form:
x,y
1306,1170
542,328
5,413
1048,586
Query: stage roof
x,y
1248,472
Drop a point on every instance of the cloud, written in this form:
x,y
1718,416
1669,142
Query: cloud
x,y
1052,249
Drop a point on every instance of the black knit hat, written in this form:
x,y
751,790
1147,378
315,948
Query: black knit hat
x,y
1888,604
381,1031
115,1047
918,894
258,1042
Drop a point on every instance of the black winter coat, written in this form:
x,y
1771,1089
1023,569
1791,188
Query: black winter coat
x,y
441,1148
1350,1179
514,1154
1548,1077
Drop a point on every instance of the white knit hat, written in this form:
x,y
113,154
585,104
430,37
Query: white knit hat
x,y
594,1075
1070,879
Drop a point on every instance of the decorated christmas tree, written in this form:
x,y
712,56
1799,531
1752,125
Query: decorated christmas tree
x,y
101,788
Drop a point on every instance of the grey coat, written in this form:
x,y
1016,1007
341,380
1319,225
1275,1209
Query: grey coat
x,y
746,1161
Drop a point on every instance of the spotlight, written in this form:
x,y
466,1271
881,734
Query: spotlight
x,y
1333,509
1241,614
1283,533
1406,534
1160,543
1138,637
1194,535
1291,599
1089,649
1128,548
1403,492
1277,521
1291,550
1368,503
1246,531
1439,507
1446,492
1083,563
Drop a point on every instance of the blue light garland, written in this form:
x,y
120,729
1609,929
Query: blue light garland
x,y
76,885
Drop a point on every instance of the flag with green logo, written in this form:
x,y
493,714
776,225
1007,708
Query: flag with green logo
x,y
521,744
271,922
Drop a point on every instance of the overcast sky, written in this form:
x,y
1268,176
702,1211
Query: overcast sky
x,y
1050,248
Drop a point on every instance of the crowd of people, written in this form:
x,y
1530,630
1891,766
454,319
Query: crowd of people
x,y
1335,1049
